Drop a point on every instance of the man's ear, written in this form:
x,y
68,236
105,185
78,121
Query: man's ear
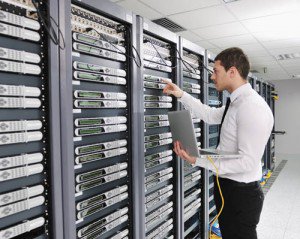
x,y
232,71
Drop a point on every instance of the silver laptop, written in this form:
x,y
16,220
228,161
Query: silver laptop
x,y
182,129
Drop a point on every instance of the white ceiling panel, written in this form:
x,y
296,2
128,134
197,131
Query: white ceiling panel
x,y
286,22
290,63
251,47
190,36
232,41
246,9
275,35
169,7
214,50
282,43
257,53
223,30
278,51
203,17
260,59
116,1
205,44
141,9
293,71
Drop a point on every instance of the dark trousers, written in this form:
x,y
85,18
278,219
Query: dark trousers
x,y
242,208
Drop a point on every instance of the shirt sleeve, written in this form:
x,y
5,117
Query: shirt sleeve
x,y
210,115
254,127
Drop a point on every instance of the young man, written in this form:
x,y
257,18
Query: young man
x,y
246,124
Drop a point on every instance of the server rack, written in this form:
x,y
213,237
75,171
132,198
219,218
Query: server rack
x,y
272,138
96,86
258,86
30,195
192,191
251,80
271,143
160,194
213,99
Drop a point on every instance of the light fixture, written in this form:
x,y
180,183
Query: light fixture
x,y
296,76
288,56
229,1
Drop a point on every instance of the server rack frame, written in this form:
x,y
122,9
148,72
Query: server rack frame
x,y
53,133
197,50
146,26
117,13
209,57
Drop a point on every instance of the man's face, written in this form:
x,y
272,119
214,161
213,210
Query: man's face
x,y
220,77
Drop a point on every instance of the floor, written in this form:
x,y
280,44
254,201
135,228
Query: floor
x,y
280,218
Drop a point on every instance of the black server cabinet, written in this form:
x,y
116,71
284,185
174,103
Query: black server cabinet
x,y
265,155
159,188
258,87
96,88
251,80
213,99
30,195
272,141
192,179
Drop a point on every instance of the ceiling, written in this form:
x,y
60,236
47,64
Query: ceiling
x,y
262,28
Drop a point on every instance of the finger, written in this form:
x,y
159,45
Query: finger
x,y
169,83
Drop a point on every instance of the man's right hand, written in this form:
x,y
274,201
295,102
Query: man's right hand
x,y
172,89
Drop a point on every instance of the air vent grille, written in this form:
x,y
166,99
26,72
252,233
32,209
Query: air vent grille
x,y
170,25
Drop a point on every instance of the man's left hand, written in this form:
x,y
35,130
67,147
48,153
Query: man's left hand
x,y
182,153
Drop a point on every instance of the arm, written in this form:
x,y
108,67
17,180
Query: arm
x,y
208,114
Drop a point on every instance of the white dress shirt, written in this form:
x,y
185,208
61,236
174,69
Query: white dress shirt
x,y
246,129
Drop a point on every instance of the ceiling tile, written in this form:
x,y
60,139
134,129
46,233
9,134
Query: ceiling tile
x,y
214,50
203,17
205,44
286,22
278,51
260,59
259,53
270,65
224,30
290,63
116,1
189,36
232,41
168,7
250,47
275,35
140,8
282,43
256,8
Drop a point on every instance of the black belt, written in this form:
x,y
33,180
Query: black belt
x,y
236,183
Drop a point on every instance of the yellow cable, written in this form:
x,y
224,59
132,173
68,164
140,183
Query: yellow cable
x,y
222,198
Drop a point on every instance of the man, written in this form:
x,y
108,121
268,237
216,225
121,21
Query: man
x,y
246,126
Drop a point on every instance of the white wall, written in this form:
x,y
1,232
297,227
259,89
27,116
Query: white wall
x,y
287,118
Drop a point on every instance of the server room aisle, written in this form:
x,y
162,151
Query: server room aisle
x,y
280,217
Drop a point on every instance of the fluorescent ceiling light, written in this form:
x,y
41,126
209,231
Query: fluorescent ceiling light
x,y
287,56
229,1
296,76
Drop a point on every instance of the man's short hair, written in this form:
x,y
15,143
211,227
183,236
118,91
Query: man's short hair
x,y
234,56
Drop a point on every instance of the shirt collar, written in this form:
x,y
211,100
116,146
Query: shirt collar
x,y
240,91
